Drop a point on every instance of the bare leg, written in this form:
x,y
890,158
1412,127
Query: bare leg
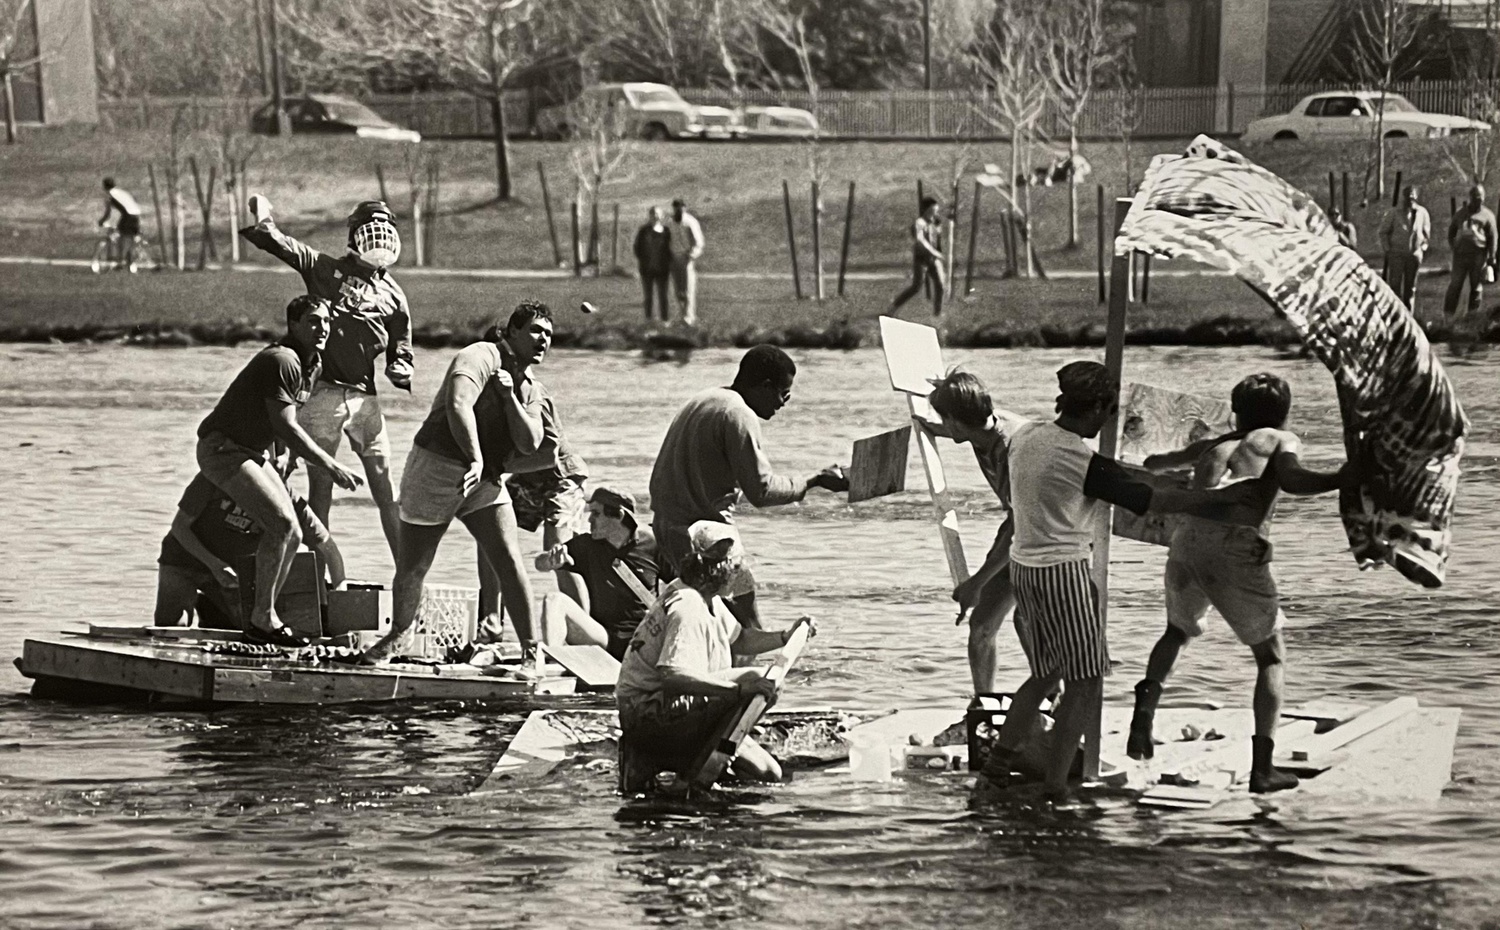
x,y
1025,708
414,557
1080,702
494,529
261,493
319,493
491,618
175,596
753,761
378,473
1269,684
565,622
996,603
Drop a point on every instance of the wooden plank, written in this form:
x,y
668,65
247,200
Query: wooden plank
x,y
119,666
913,355
715,757
1408,759
593,665
878,465
1156,420
181,633
1319,750
537,748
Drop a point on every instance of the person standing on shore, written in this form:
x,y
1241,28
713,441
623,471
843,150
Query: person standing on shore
x,y
1405,236
487,409
653,256
687,247
712,453
235,443
1227,566
926,257
371,320
1473,237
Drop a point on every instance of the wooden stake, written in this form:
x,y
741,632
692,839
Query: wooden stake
x,y
1007,240
594,232
1395,192
577,215
1145,278
791,237
1346,193
416,224
614,242
950,236
973,240
557,258
434,195
232,207
817,244
844,249
161,241
926,280
1099,227
1333,199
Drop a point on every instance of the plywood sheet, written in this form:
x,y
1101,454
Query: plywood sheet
x,y
913,355
878,465
593,665
1155,420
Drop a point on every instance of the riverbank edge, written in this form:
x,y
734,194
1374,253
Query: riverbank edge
x,y
1222,331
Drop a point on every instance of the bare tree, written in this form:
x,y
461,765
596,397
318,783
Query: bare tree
x,y
1007,57
1479,72
600,148
478,45
20,52
1079,47
1123,115
1384,50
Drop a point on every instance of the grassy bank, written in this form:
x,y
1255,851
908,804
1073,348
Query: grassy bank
x,y
49,194
44,303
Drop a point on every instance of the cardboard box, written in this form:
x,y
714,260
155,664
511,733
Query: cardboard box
x,y
300,601
360,607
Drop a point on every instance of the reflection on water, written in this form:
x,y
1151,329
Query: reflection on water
x,y
328,817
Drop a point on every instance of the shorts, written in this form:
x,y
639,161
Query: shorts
x,y
182,590
1057,619
672,548
333,411
220,458
431,490
547,497
1226,567
129,226
673,730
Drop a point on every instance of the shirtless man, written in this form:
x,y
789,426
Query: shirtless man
x,y
926,257
1227,566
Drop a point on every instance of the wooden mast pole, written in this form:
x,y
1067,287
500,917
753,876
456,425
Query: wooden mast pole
x,y
1109,442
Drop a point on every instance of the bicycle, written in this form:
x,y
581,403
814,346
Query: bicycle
x,y
114,252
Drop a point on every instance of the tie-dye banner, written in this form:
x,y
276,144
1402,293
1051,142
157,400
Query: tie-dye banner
x,y
1402,421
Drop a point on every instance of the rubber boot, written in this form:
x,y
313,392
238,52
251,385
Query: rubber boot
x,y
1139,745
1265,777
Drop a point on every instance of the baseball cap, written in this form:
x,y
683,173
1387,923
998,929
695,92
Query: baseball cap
x,y
610,496
715,541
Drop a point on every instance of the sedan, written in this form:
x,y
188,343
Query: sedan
x,y
1351,115
780,123
332,114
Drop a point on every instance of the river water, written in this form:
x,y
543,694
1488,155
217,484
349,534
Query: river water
x,y
134,818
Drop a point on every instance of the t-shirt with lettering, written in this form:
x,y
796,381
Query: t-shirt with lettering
x,y
226,530
612,601
277,374
479,363
682,630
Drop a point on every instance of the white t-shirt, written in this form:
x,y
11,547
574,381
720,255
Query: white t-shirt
x,y
681,631
1054,518
687,236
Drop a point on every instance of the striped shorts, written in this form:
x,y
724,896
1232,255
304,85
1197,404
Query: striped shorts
x,y
1057,620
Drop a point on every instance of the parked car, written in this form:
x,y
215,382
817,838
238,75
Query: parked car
x,y
1352,115
780,123
329,113
652,111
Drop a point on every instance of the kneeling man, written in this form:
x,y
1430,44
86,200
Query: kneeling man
x,y
615,566
678,681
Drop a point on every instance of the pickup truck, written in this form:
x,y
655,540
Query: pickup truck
x,y
652,111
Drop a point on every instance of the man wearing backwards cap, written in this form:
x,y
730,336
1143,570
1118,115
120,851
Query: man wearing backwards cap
x,y
614,552
1060,487
678,681
371,319
712,452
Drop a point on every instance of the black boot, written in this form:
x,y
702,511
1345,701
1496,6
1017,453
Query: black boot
x,y
1265,777
1139,745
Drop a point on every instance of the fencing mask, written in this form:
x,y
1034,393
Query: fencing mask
x,y
372,234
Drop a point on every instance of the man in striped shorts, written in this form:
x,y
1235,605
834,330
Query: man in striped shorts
x,y
1060,487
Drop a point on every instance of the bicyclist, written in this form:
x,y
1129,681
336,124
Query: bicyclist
x,y
129,226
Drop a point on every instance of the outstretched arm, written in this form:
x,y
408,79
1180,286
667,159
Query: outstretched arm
x,y
265,236
1293,478
1166,461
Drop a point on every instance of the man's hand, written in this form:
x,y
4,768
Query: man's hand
x,y
345,478
831,478
399,373
224,576
809,622
259,207
966,593
765,687
559,558
471,478
503,378
1350,477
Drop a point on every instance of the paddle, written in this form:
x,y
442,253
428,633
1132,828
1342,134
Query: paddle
x,y
715,757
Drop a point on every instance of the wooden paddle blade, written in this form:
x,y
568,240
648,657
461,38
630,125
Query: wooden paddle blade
x,y
878,465
592,665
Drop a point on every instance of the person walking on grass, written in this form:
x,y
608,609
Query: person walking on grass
x,y
371,321
235,443
1473,238
1227,566
1405,236
687,247
653,256
927,263
488,409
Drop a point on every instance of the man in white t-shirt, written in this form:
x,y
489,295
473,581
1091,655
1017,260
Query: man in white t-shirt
x,y
687,247
1060,487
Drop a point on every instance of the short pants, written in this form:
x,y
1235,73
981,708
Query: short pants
x,y
220,458
130,226
431,490
1226,567
673,730
1057,619
182,590
333,411
547,497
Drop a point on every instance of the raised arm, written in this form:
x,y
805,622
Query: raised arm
x,y
265,236
1181,458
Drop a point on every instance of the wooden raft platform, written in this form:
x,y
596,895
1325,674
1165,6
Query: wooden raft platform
x,y
177,665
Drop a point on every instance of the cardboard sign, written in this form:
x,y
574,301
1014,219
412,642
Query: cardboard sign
x,y
878,465
912,355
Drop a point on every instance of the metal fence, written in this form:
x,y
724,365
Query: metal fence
x,y
842,114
